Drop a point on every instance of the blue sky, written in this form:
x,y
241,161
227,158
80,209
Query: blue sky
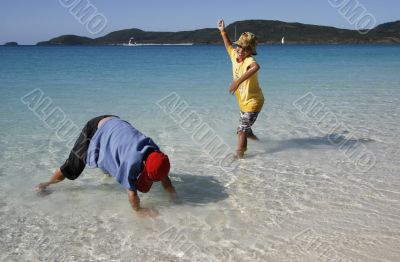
x,y
30,21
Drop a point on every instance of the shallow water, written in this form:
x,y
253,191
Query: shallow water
x,y
300,195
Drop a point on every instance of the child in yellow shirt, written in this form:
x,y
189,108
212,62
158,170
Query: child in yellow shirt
x,y
245,84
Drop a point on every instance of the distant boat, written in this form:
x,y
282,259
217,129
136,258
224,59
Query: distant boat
x,y
283,40
132,42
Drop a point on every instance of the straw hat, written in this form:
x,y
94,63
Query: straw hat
x,y
248,39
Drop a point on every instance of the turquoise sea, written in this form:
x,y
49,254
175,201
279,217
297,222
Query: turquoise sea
x,y
322,184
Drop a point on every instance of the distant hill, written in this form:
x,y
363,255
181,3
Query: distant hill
x,y
68,40
267,31
11,44
388,32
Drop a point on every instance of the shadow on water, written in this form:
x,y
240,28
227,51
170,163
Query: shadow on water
x,y
318,142
197,190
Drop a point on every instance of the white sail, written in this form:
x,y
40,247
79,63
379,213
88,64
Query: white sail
x,y
283,40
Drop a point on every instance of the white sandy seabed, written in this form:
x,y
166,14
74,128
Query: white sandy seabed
x,y
296,197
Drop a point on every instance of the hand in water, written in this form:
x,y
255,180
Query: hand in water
x,y
147,213
174,199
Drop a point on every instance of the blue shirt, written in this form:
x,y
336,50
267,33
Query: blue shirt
x,y
118,149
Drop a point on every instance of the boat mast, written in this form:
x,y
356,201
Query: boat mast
x,y
235,33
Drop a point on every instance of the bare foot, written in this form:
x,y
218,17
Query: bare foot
x,y
240,153
42,189
252,136
42,186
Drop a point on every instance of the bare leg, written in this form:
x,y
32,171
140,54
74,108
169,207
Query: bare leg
x,y
242,144
55,178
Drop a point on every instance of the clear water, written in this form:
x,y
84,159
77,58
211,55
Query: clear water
x,y
297,196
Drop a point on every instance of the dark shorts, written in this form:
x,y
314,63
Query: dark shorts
x,y
76,161
246,120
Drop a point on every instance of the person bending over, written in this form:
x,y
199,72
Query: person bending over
x,y
122,151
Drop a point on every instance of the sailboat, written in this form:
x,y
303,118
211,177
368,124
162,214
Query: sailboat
x,y
283,40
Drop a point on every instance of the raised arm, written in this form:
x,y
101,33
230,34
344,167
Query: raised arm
x,y
225,37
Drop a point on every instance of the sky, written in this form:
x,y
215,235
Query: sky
x,y
31,21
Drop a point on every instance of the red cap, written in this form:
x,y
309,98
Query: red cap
x,y
155,169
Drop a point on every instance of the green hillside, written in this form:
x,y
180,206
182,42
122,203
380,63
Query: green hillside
x,y
267,31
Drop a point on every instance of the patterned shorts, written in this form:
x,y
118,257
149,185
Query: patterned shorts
x,y
246,120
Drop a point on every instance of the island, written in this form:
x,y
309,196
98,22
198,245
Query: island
x,y
11,44
267,31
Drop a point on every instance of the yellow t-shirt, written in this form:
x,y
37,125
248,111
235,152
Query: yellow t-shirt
x,y
249,94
